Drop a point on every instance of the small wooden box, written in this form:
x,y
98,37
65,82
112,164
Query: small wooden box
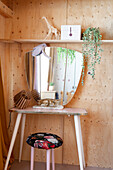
x,y
48,95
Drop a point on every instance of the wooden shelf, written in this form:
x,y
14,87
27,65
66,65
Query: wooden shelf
x,y
5,11
6,41
55,41
107,41
49,41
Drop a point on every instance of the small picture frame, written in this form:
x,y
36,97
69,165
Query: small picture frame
x,y
70,32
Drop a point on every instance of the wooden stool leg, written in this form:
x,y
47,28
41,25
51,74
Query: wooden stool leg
x,y
48,160
53,160
32,158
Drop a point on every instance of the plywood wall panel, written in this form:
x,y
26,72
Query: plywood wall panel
x,y
86,13
92,14
28,21
5,64
40,123
4,71
70,146
96,96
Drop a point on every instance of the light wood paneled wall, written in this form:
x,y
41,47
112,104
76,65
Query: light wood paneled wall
x,y
28,23
96,96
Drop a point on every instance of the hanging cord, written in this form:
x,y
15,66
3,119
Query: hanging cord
x,y
9,120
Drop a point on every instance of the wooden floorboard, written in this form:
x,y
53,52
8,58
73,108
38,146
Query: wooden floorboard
x,y
25,165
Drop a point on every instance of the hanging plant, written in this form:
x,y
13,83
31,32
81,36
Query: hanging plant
x,y
91,49
63,52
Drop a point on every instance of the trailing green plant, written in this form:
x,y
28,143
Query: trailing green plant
x,y
63,52
91,49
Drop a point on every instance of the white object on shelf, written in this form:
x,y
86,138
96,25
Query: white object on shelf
x,y
70,32
48,95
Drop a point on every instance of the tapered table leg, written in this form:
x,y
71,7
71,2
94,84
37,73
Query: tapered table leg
x,y
22,136
82,144
78,138
13,139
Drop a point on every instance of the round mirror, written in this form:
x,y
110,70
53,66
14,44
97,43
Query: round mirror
x,y
53,75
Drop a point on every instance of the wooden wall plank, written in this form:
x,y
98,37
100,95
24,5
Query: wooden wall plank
x,y
92,13
96,96
4,60
86,13
31,19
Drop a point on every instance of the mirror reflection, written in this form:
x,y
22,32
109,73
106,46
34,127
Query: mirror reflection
x,y
54,79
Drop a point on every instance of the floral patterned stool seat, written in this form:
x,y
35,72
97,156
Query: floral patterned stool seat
x,y
46,141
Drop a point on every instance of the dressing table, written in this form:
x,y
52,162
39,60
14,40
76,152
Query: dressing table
x,y
22,113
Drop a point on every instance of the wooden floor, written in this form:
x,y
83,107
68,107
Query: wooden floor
x,y
25,165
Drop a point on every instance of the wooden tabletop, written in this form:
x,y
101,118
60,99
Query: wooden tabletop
x,y
64,111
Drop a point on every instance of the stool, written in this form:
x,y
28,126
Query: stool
x,y
46,141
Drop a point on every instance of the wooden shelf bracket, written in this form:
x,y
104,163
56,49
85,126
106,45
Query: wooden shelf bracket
x,y
5,11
